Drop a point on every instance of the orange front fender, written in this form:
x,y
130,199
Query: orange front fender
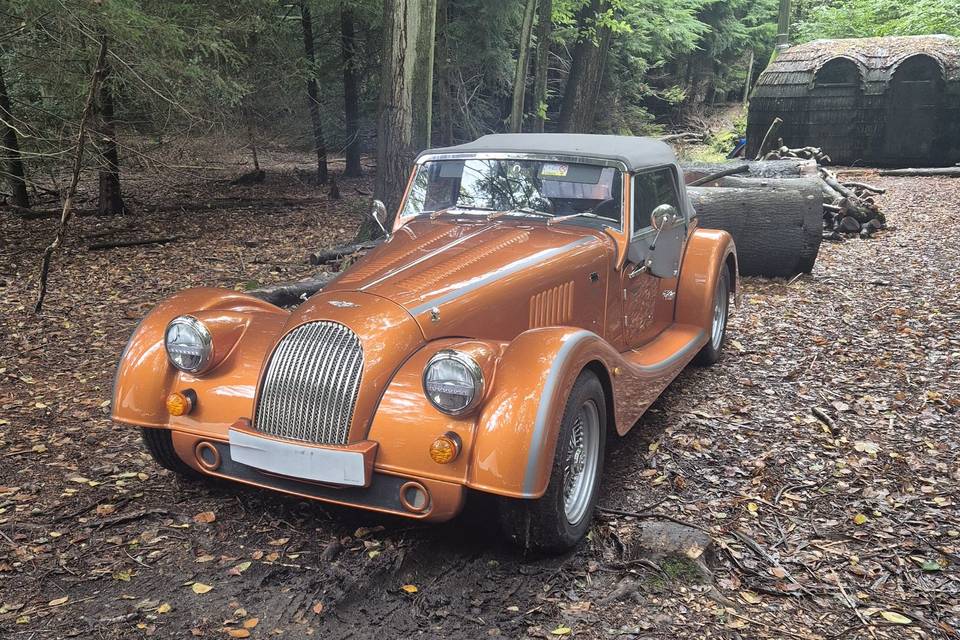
x,y
246,326
516,431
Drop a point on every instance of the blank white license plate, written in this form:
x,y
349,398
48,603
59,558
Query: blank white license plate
x,y
298,461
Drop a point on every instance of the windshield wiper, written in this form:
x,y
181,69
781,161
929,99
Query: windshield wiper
x,y
522,210
457,207
582,214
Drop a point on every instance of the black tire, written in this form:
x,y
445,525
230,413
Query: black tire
x,y
542,524
159,444
710,352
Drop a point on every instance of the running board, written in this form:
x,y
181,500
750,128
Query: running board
x,y
679,343
647,370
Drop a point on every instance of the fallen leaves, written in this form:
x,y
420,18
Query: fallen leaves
x,y
199,588
894,617
205,517
238,569
409,588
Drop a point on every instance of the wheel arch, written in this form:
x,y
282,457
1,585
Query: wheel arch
x,y
516,430
599,369
707,252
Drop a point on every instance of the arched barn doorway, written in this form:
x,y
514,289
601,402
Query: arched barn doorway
x,y
833,110
914,105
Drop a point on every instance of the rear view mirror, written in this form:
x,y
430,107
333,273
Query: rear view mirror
x,y
665,214
379,214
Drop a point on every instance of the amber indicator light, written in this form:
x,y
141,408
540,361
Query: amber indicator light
x,y
180,403
445,449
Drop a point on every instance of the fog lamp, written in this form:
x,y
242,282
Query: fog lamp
x,y
446,448
180,403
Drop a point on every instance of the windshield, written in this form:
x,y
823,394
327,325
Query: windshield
x,y
523,187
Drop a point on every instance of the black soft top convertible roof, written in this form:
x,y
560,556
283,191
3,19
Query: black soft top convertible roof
x,y
634,152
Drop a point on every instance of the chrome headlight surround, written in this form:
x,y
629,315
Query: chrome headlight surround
x,y
468,386
201,347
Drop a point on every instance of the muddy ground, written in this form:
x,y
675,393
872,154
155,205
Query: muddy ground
x,y
839,526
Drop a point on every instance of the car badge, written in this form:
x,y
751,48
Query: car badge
x,y
669,294
343,304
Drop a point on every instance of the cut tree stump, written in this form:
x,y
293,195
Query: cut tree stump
x,y
778,233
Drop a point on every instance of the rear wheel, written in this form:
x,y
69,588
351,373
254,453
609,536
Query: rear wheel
x,y
718,327
560,518
159,444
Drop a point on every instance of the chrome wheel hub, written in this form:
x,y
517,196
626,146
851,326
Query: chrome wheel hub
x,y
580,466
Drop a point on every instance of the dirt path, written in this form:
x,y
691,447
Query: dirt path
x,y
844,527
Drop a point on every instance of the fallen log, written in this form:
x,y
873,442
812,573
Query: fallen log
x,y
335,254
98,246
801,183
864,187
293,293
743,168
40,214
778,233
946,172
757,169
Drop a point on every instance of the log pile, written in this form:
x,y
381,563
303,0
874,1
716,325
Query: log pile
x,y
850,207
784,152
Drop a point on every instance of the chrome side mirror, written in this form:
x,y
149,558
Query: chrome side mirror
x,y
379,215
665,214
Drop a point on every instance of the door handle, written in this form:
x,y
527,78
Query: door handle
x,y
640,269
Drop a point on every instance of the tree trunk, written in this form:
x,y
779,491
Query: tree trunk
x,y
351,99
520,75
578,112
110,201
11,152
444,86
749,82
777,233
758,169
406,94
99,71
313,93
542,64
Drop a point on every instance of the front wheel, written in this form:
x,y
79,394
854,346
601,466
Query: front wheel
x,y
159,444
560,518
718,327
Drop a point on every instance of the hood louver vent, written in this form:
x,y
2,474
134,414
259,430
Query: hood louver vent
x,y
552,307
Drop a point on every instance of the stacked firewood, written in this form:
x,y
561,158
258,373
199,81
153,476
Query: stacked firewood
x,y
849,207
782,152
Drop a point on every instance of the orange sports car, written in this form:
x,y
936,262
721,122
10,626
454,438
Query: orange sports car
x,y
534,295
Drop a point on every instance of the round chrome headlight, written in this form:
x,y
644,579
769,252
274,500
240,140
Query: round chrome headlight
x,y
453,382
189,344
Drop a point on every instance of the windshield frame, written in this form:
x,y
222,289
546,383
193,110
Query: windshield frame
x,y
607,225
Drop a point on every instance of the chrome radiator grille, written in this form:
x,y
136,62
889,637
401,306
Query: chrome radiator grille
x,y
311,384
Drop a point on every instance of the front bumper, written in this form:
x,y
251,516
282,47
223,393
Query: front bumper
x,y
385,492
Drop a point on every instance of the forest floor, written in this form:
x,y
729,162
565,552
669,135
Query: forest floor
x,y
843,526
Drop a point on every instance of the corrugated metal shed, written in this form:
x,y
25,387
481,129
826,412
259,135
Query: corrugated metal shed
x,y
877,101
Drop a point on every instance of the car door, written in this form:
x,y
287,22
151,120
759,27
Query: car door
x,y
649,277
